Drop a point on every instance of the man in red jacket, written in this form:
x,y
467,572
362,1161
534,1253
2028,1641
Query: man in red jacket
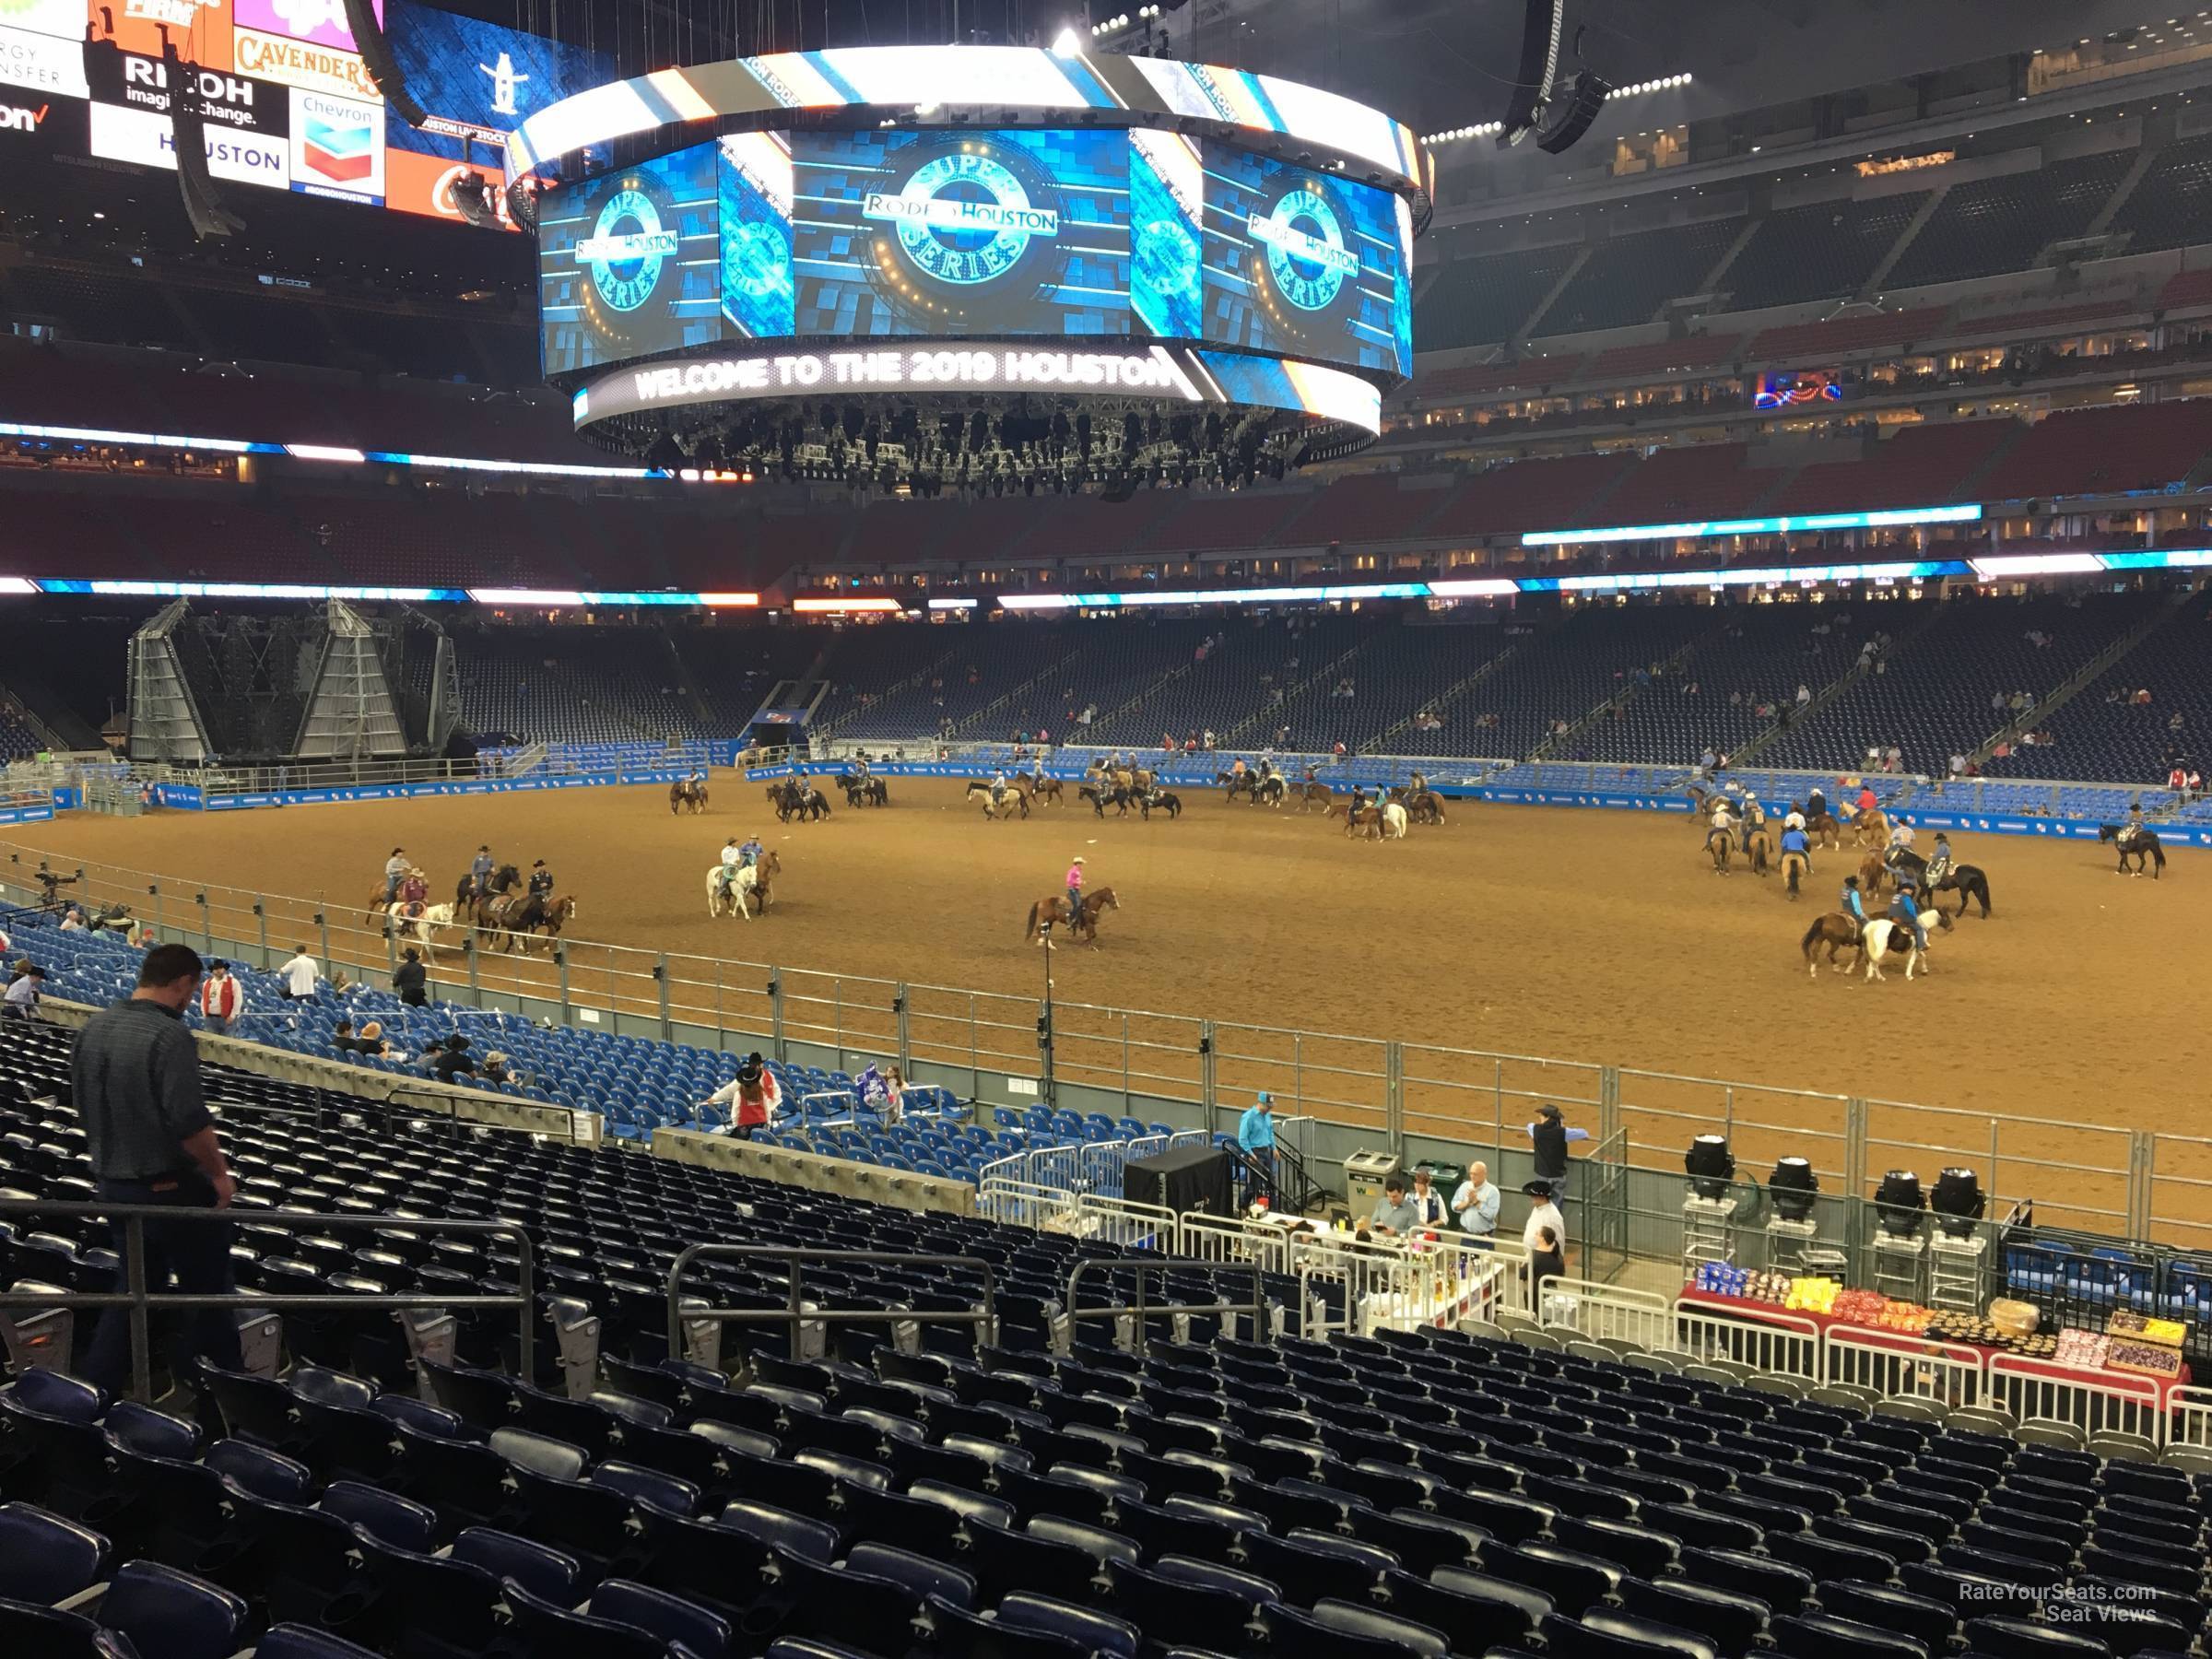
x,y
221,999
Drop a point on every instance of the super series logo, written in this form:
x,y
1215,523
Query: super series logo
x,y
1306,252
630,244
962,217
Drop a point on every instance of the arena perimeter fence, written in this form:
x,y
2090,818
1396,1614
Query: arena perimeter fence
x,y
1423,1102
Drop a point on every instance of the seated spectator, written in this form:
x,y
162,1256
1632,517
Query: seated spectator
x,y
372,1042
20,1000
498,1068
449,1059
74,921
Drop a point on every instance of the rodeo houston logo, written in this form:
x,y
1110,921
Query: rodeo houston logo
x,y
628,245
963,217
1306,253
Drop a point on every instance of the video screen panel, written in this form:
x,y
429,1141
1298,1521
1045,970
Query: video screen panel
x,y
1166,189
629,263
479,81
758,297
961,234
1303,265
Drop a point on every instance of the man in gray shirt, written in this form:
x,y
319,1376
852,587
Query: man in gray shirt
x,y
1396,1212
136,1078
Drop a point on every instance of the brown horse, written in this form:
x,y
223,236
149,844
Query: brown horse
x,y
1054,908
1313,795
1040,790
507,916
1871,828
1795,866
1758,847
1425,807
1823,831
559,913
1835,930
687,794
1873,872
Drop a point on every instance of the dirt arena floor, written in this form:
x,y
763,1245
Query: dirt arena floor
x,y
1584,936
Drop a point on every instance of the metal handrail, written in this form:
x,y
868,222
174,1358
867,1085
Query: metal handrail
x,y
141,1300
795,1315
1256,1307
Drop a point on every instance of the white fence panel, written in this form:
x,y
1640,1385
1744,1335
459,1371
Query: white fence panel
x,y
1782,1345
2189,1418
1233,1241
1120,1221
1899,1367
2094,1402
1018,1202
1606,1312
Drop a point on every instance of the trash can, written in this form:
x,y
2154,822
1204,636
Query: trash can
x,y
1444,1177
1364,1173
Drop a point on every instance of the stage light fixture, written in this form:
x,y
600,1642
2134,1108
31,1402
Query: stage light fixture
x,y
1792,1187
1899,1203
1066,44
1710,1165
1958,1201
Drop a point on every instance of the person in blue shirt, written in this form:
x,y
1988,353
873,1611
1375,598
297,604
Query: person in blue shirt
x,y
1904,908
1796,856
1256,1135
1854,905
479,873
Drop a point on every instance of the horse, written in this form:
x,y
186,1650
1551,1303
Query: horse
x,y
1758,847
1164,800
1269,791
1835,930
1425,807
1970,885
1015,800
1795,866
1310,794
1822,830
1053,908
2136,843
863,792
1720,840
1386,823
508,916
803,800
1039,790
419,926
687,794
503,880
1875,869
1881,938
1871,828
749,880
555,914
1238,782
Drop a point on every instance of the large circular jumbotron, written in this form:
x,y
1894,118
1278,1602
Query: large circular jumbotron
x,y
977,251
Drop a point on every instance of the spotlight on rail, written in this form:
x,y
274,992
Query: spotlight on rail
x,y
1958,1202
1792,1186
1710,1165
1898,1203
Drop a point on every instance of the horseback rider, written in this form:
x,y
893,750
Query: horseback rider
x,y
1796,844
1418,784
1939,862
732,861
1855,904
998,786
541,880
479,873
1723,821
750,853
395,872
1075,896
414,891
1906,909
1037,769
1815,802
1793,819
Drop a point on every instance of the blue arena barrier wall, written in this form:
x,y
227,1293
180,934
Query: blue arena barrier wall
x,y
192,799
2063,828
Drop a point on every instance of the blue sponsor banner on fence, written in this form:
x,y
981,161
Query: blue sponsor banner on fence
x,y
416,791
25,815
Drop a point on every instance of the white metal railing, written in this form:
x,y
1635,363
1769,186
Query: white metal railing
x,y
2094,1402
1022,1204
1605,1313
1121,1222
1899,1367
1783,1347
2189,1416
1355,1286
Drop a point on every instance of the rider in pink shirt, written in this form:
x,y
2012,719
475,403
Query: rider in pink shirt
x,y
1074,893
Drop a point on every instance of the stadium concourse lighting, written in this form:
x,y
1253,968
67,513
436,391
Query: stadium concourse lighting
x,y
1792,1186
1486,129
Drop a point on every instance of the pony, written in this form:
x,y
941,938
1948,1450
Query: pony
x,y
419,926
1243,782
1015,801
1053,908
863,792
1871,828
1720,840
508,916
1161,800
1795,866
1103,796
687,794
503,880
1269,791
2136,843
1313,794
1875,869
1039,790
1835,930
1386,823
1881,938
1425,807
